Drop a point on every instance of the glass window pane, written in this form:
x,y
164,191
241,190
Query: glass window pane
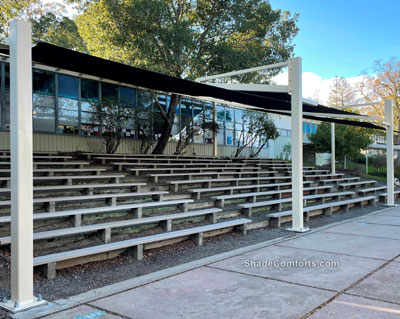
x,y
43,82
109,91
220,113
43,113
89,90
229,137
186,107
127,95
143,108
239,115
68,86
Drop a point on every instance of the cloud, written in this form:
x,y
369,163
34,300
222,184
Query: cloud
x,y
314,87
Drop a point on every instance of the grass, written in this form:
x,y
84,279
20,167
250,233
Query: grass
x,y
360,169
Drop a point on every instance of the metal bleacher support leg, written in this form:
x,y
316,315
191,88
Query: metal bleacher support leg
x,y
50,207
105,235
77,220
197,239
137,212
212,218
112,201
50,270
184,207
137,252
166,225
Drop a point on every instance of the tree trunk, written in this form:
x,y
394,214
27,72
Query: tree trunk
x,y
167,127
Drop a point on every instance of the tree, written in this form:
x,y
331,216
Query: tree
x,y
111,117
49,22
384,84
349,140
256,133
187,39
341,93
379,161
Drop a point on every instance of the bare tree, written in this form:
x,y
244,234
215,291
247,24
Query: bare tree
x,y
111,116
256,133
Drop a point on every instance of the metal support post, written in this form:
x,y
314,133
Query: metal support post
x,y
333,157
21,168
389,152
295,74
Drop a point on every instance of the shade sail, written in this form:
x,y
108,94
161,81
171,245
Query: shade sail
x,y
70,60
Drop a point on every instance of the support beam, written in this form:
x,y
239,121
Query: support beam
x,y
333,153
389,152
295,74
366,162
21,167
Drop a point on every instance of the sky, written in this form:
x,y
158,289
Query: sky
x,y
344,38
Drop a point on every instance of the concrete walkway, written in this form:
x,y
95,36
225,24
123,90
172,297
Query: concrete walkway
x,y
350,270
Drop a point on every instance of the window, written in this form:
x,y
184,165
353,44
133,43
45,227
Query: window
x,y
43,82
43,113
229,137
229,116
198,120
239,116
89,90
68,86
144,113
89,94
127,97
186,117
43,101
109,91
314,128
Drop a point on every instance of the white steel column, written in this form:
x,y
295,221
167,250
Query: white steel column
x,y
295,74
389,152
21,162
333,154
21,167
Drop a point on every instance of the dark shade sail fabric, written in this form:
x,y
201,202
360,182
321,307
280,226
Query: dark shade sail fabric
x,y
58,57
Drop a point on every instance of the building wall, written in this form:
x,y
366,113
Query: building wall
x,y
60,143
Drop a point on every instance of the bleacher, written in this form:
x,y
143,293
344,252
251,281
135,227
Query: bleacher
x,y
91,206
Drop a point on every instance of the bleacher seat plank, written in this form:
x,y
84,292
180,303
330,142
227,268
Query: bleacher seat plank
x,y
252,196
209,213
138,243
275,218
136,209
247,208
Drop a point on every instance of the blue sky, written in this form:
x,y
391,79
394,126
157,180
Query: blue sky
x,y
344,38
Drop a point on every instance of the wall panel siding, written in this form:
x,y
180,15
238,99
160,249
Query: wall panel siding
x,y
64,143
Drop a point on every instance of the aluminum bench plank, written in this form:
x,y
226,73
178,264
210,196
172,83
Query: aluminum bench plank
x,y
134,242
275,217
113,225
101,210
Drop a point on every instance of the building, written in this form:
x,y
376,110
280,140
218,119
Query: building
x,y
62,110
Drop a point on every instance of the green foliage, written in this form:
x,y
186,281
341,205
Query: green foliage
x,y
349,140
111,116
257,131
378,161
49,22
186,38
